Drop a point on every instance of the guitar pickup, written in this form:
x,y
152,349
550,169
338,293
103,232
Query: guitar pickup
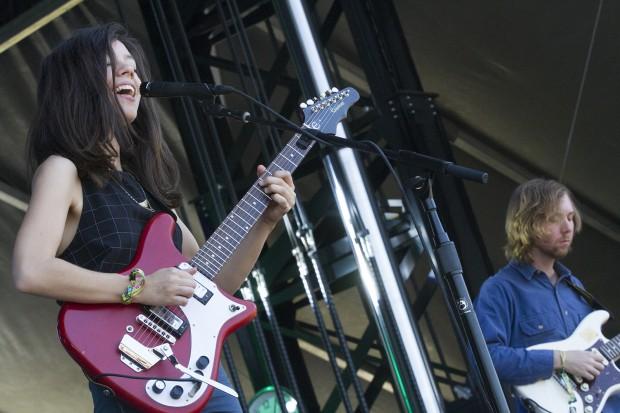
x,y
168,320
202,293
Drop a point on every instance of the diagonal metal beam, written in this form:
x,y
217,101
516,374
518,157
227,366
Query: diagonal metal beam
x,y
13,197
32,20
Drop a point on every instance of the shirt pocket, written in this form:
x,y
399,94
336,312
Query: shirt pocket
x,y
537,329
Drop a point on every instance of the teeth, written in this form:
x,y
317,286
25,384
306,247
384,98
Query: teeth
x,y
126,89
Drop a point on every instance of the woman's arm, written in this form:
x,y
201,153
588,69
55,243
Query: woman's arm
x,y
281,188
56,193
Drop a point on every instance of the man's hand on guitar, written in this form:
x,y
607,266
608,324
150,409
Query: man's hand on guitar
x,y
168,286
586,364
281,189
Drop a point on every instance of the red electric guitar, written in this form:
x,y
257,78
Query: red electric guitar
x,y
141,352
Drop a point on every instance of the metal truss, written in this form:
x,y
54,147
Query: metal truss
x,y
310,264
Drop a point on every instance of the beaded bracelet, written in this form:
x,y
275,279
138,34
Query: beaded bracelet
x,y
135,287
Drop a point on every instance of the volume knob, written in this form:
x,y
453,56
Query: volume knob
x,y
159,386
176,392
202,362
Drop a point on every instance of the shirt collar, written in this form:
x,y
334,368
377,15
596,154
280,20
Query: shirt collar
x,y
561,269
528,271
524,268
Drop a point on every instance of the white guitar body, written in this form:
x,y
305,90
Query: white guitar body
x,y
550,396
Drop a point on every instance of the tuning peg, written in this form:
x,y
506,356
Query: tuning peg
x,y
310,101
303,105
334,89
322,95
328,92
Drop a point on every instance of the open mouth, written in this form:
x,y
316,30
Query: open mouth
x,y
126,90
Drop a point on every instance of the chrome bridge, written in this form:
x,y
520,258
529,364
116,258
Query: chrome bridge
x,y
138,357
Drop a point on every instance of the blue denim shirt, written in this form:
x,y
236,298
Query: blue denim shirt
x,y
519,307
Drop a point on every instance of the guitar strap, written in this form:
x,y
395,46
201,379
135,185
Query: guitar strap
x,y
594,303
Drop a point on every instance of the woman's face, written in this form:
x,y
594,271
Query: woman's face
x,y
124,82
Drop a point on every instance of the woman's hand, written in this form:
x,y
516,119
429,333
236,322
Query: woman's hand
x,y
281,189
168,286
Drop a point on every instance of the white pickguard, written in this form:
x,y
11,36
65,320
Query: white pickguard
x,y
548,394
205,322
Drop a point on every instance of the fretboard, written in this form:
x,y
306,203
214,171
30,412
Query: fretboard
x,y
228,236
611,349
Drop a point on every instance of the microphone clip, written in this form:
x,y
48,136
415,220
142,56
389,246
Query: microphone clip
x,y
220,111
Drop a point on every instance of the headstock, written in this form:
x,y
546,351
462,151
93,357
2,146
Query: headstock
x,y
326,112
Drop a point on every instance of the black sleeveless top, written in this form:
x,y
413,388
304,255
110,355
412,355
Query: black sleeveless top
x,y
111,223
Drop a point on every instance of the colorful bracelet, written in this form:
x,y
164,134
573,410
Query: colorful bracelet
x,y
137,280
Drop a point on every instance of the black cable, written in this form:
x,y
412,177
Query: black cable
x,y
124,376
304,132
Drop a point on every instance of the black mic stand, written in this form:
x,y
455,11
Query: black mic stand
x,y
448,262
451,271
423,161
219,111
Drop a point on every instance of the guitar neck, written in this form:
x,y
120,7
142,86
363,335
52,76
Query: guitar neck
x,y
611,349
224,241
323,115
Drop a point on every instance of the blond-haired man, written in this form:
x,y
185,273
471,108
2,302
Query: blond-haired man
x,y
530,300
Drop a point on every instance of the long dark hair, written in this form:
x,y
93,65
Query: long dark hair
x,y
78,114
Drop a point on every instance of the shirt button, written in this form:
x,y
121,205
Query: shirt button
x,y
565,312
540,326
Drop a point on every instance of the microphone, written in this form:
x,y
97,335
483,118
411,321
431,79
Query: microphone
x,y
179,89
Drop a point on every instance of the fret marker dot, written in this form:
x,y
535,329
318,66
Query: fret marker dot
x,y
246,227
212,255
219,247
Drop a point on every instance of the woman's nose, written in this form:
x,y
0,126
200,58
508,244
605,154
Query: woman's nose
x,y
128,71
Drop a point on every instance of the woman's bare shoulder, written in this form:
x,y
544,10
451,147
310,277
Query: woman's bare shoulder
x,y
55,176
57,165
